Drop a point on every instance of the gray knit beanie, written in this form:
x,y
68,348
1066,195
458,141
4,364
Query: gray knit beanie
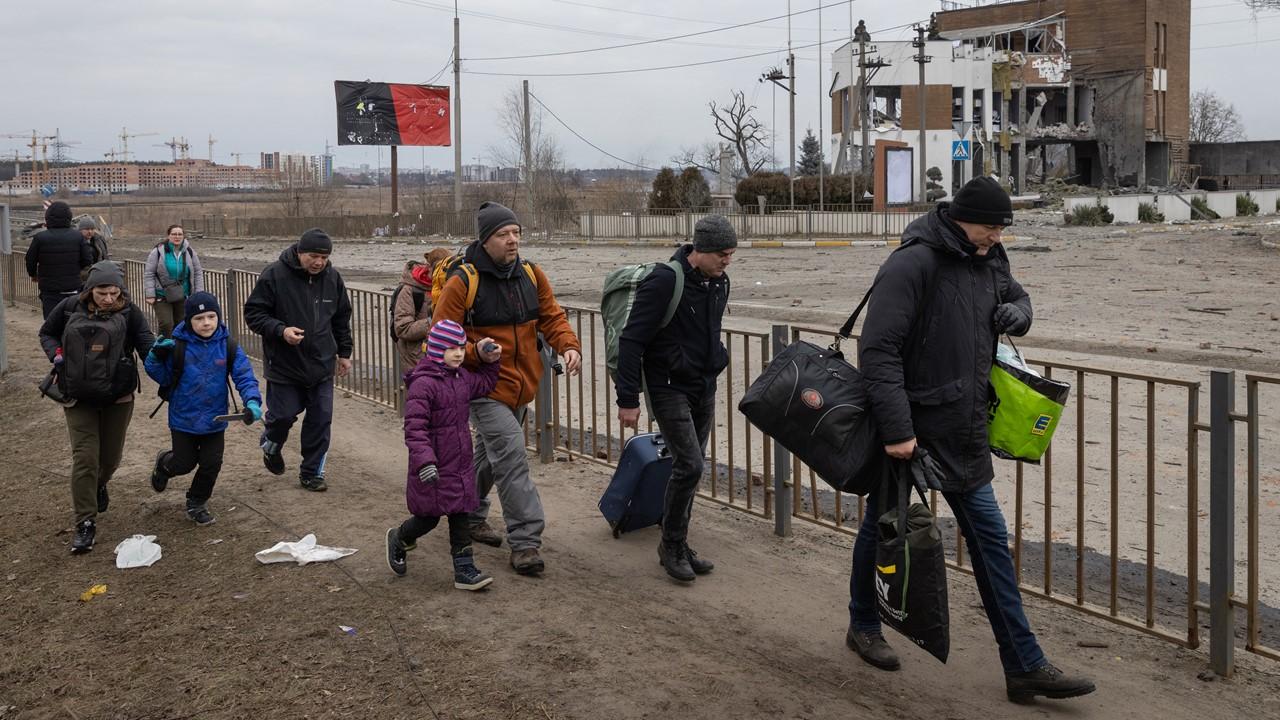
x,y
713,233
492,217
105,272
86,223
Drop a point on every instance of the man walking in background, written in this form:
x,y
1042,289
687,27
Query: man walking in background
x,y
56,257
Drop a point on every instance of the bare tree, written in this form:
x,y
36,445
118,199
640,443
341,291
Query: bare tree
x,y
551,195
704,157
736,125
1214,119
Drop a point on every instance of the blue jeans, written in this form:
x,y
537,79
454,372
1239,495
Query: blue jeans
x,y
982,524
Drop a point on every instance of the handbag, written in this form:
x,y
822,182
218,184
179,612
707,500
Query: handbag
x,y
911,569
51,388
814,403
1025,408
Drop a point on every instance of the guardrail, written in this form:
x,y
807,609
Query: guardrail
x,y
803,222
1117,532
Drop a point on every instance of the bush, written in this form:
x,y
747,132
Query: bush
x,y
1245,205
777,191
1091,215
1200,206
1148,213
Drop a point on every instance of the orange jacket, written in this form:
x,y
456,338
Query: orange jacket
x,y
509,309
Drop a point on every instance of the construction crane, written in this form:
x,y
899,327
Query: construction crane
x,y
124,141
35,143
110,155
211,143
178,146
236,155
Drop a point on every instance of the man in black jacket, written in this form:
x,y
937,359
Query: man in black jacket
x,y
300,308
679,364
56,257
938,306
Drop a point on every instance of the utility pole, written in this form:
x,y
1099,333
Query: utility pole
x,y
863,119
791,90
921,59
528,156
822,141
395,188
456,110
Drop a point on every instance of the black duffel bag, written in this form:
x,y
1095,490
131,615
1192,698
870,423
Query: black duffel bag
x,y
815,404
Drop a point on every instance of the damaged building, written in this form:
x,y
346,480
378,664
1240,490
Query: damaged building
x,y
1092,92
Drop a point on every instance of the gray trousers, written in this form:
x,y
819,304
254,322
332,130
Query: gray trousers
x,y
501,460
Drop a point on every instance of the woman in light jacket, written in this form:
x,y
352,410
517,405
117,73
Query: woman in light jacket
x,y
172,274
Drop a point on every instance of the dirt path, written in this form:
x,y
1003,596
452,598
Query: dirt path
x,y
209,633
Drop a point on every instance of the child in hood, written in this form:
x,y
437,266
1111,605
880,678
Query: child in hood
x,y
197,396
441,481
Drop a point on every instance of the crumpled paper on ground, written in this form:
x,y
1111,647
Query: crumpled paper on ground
x,y
302,552
137,551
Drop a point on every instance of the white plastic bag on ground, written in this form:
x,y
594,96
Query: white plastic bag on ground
x,y
302,552
137,551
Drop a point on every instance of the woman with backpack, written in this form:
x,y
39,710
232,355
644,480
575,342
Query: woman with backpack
x,y
411,308
172,274
91,339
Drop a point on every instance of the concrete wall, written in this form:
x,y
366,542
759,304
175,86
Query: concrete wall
x,y
1223,203
1125,207
1237,158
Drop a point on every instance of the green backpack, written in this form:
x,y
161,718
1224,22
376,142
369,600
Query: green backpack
x,y
620,295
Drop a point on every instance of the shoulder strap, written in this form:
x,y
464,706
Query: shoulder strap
x,y
179,361
528,270
930,292
419,297
232,351
471,279
674,305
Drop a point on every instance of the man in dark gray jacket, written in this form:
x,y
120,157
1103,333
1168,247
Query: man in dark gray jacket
x,y
938,306
300,308
56,257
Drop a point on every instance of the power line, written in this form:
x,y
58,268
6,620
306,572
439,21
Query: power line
x,y
1239,44
664,17
1254,19
579,135
657,40
635,70
435,77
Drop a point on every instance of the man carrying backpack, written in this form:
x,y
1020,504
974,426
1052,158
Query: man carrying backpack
x,y
512,302
677,365
56,256
300,308
91,339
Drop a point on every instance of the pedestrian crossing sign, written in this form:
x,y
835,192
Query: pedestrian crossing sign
x,y
959,149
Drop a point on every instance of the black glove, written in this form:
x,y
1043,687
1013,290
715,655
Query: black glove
x,y
926,473
1012,319
428,474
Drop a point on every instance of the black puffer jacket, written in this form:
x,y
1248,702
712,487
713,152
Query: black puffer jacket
x,y
928,343
286,295
687,355
56,257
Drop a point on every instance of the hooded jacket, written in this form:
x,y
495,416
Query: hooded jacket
x,y
193,282
513,312
201,393
436,433
928,342
286,295
55,258
411,325
687,355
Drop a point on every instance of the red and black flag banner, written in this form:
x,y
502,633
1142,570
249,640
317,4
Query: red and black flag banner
x,y
372,113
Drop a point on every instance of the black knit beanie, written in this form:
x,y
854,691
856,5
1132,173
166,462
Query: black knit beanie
x,y
315,240
492,217
713,233
58,215
983,202
202,302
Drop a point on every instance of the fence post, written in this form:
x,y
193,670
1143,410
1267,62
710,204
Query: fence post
x,y
637,217
591,225
6,253
781,457
542,415
231,305
1222,555
809,216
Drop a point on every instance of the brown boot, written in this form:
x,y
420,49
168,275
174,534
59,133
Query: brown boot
x,y
484,534
526,561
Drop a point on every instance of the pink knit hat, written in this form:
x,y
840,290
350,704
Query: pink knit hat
x,y
444,335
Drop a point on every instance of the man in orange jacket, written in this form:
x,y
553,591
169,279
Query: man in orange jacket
x,y
513,303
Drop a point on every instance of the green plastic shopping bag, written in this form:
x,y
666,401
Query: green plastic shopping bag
x,y
1025,408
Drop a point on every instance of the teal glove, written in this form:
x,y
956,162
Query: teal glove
x,y
161,348
255,409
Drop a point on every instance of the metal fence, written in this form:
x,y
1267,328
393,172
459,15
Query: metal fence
x,y
776,222
1110,523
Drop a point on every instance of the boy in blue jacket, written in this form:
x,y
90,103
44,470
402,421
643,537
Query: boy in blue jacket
x,y
199,395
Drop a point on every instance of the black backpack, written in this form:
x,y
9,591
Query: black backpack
x,y
419,297
98,366
179,355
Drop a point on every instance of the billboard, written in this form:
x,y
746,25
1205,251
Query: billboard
x,y
899,167
371,113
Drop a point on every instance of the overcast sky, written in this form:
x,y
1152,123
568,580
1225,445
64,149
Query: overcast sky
x,y
258,74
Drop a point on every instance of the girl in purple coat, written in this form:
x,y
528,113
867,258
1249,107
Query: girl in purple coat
x,y
441,480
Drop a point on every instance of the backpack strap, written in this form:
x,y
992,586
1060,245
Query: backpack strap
x,y
179,355
674,305
232,351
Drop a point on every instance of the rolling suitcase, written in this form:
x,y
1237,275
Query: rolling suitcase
x,y
636,494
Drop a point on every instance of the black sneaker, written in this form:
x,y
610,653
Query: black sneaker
x,y
314,483
200,514
83,541
872,648
466,576
272,460
159,480
699,566
395,553
1046,681
675,560
104,500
